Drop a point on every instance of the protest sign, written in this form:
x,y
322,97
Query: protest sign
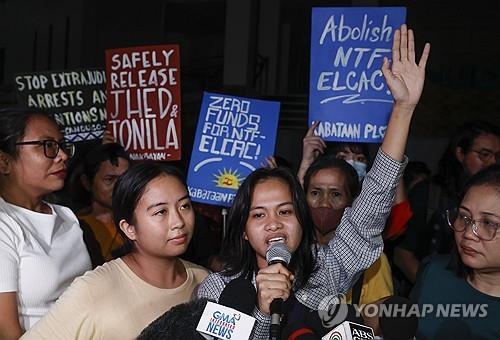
x,y
144,100
348,92
76,99
233,137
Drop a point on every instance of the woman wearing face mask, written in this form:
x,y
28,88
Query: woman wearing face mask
x,y
153,213
357,155
331,185
270,206
41,245
469,278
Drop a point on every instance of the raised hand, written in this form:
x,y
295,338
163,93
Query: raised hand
x,y
313,146
404,77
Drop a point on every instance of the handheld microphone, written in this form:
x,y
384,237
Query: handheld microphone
x,y
350,331
277,252
239,294
230,318
397,323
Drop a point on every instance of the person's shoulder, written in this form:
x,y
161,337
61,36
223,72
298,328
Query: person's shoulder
x,y
64,212
199,272
106,275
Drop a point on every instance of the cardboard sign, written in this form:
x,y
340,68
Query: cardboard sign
x,y
144,100
233,137
348,92
76,99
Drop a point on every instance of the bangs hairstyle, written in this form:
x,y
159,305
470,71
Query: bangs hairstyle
x,y
361,148
100,154
129,189
331,162
239,255
489,177
13,123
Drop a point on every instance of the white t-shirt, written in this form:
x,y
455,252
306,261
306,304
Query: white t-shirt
x,y
111,302
40,255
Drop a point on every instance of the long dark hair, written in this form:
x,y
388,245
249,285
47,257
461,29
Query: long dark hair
x,y
239,255
451,174
488,177
13,123
129,189
331,162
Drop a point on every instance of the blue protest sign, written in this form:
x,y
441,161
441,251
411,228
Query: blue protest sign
x,y
233,137
348,92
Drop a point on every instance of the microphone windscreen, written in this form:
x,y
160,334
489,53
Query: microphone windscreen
x,y
394,320
278,252
179,322
239,294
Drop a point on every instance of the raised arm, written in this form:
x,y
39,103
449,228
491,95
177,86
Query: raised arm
x,y
358,242
405,79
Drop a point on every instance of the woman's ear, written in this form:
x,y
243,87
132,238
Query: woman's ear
x,y
245,237
459,154
128,229
5,162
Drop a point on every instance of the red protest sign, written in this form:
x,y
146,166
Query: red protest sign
x,y
144,100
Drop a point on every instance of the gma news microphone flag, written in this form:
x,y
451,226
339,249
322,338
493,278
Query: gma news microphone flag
x,y
233,137
225,323
347,92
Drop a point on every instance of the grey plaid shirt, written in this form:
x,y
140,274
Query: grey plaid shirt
x,y
356,245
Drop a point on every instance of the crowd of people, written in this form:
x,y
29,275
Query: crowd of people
x,y
366,229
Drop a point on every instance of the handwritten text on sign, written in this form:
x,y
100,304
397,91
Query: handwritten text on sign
x,y
233,137
348,93
144,100
75,98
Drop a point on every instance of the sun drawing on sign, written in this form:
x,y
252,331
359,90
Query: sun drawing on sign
x,y
228,179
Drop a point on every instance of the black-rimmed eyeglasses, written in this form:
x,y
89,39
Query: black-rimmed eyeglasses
x,y
51,147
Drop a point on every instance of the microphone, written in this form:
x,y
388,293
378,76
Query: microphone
x,y
179,322
350,331
239,294
277,252
395,321
230,318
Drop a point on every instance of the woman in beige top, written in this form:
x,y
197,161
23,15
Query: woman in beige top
x,y
153,212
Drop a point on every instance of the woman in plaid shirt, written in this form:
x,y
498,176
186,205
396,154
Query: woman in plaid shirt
x,y
270,206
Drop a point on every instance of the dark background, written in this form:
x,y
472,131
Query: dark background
x,y
259,48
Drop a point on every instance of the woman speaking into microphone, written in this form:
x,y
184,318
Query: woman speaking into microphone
x,y
270,206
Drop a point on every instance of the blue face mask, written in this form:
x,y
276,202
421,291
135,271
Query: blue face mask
x,y
360,168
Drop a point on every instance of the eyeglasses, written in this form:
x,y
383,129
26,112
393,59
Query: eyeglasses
x,y
51,147
487,155
483,229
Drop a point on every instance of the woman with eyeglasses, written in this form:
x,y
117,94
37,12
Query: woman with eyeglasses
x,y
474,146
465,287
41,244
